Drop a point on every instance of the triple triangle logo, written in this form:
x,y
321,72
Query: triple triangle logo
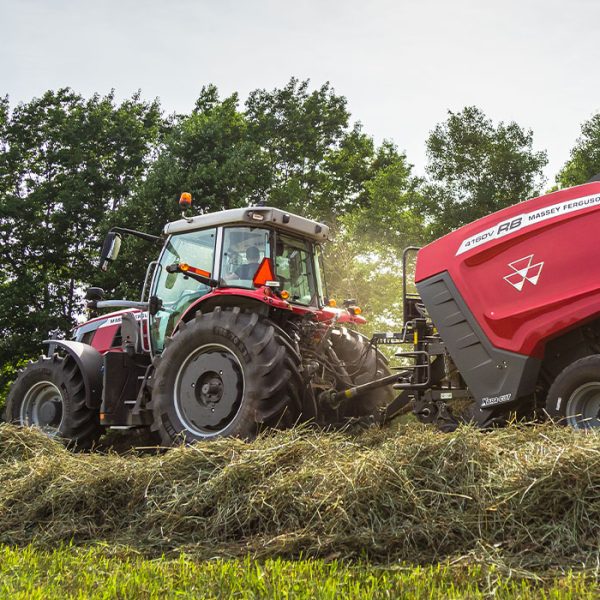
x,y
524,271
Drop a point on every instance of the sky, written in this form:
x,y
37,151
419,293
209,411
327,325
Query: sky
x,y
401,64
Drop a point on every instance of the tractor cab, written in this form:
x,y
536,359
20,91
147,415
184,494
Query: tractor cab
x,y
256,255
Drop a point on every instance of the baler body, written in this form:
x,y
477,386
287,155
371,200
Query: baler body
x,y
500,288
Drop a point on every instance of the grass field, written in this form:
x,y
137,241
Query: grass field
x,y
69,572
409,512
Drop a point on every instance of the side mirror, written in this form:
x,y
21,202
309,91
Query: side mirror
x,y
170,280
110,249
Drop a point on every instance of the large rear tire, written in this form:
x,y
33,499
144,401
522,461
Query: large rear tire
x,y
363,363
574,397
225,373
50,394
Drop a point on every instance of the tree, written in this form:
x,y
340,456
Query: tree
x,y
318,163
364,260
291,147
64,163
477,168
207,153
585,156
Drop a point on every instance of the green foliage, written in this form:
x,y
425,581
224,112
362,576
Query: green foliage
x,y
585,156
64,162
477,168
209,154
119,573
291,147
8,373
365,257
318,163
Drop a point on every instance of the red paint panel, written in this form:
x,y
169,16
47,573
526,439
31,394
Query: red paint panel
x,y
104,337
534,282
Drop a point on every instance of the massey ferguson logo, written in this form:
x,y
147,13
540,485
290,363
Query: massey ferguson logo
x,y
524,270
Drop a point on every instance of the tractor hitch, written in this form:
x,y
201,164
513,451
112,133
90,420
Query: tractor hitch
x,y
398,380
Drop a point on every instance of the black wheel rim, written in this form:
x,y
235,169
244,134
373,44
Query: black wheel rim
x,y
209,389
43,407
583,406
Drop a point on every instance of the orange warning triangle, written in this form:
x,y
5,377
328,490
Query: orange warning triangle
x,y
264,273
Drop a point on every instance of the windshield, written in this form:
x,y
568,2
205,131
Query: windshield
x,y
176,290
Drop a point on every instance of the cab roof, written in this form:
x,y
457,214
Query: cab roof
x,y
255,215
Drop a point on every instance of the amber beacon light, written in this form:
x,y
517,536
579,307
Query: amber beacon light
x,y
185,200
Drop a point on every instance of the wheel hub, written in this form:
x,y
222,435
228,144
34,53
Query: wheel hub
x,y
583,407
209,389
43,407
49,411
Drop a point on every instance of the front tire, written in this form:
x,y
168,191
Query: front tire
x,y
50,394
225,373
574,397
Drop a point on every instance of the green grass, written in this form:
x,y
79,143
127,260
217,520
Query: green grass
x,y
71,572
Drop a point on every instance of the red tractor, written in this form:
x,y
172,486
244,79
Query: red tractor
x,y
234,334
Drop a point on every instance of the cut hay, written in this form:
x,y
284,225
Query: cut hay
x,y
529,497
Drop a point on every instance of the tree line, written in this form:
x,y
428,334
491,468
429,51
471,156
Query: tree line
x,y
72,167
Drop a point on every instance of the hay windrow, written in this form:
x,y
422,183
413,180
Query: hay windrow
x,y
530,495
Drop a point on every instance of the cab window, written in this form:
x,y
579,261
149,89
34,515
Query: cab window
x,y
294,270
243,250
176,290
